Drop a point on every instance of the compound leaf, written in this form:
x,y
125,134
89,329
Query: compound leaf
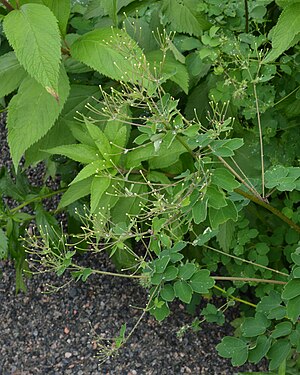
x,y
234,348
33,33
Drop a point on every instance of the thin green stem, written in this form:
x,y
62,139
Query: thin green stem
x,y
246,17
282,368
270,208
107,273
115,13
248,279
233,297
36,199
289,94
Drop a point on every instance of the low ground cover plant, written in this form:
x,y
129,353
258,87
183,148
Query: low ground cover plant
x,y
183,165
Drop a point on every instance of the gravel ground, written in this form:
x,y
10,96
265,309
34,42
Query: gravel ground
x,y
55,333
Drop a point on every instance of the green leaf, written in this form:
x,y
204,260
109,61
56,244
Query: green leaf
x,y
61,10
100,140
226,148
170,273
201,282
33,33
262,346
99,186
78,152
234,348
199,211
216,198
169,68
285,31
183,18
186,271
282,329
253,327
160,313
137,155
32,113
3,244
225,235
93,168
268,303
293,309
161,264
224,179
75,192
213,315
220,216
183,291
278,353
11,73
112,53
291,289
167,293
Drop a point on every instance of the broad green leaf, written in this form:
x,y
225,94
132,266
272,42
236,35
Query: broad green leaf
x,y
183,17
220,216
3,244
99,186
139,154
278,353
234,348
216,198
93,168
58,135
282,329
199,211
183,291
186,271
75,192
253,327
225,235
61,10
102,8
285,31
11,73
168,68
170,273
80,96
293,309
201,282
112,53
160,313
167,293
78,152
226,148
161,263
224,179
33,33
262,346
291,289
100,140
269,302
32,113
213,315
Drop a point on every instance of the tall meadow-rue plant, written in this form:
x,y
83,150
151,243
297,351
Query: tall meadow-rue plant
x,y
190,196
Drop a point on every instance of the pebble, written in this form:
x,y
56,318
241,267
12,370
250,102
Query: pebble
x,y
68,355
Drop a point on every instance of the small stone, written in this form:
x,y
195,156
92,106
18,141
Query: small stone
x,y
66,330
68,355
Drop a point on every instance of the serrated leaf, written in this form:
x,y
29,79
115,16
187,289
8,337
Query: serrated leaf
x,y
220,216
182,16
32,113
78,152
100,140
201,282
285,31
11,73
112,53
183,291
234,348
3,244
34,35
61,10
99,186
169,68
278,353
75,192
90,169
